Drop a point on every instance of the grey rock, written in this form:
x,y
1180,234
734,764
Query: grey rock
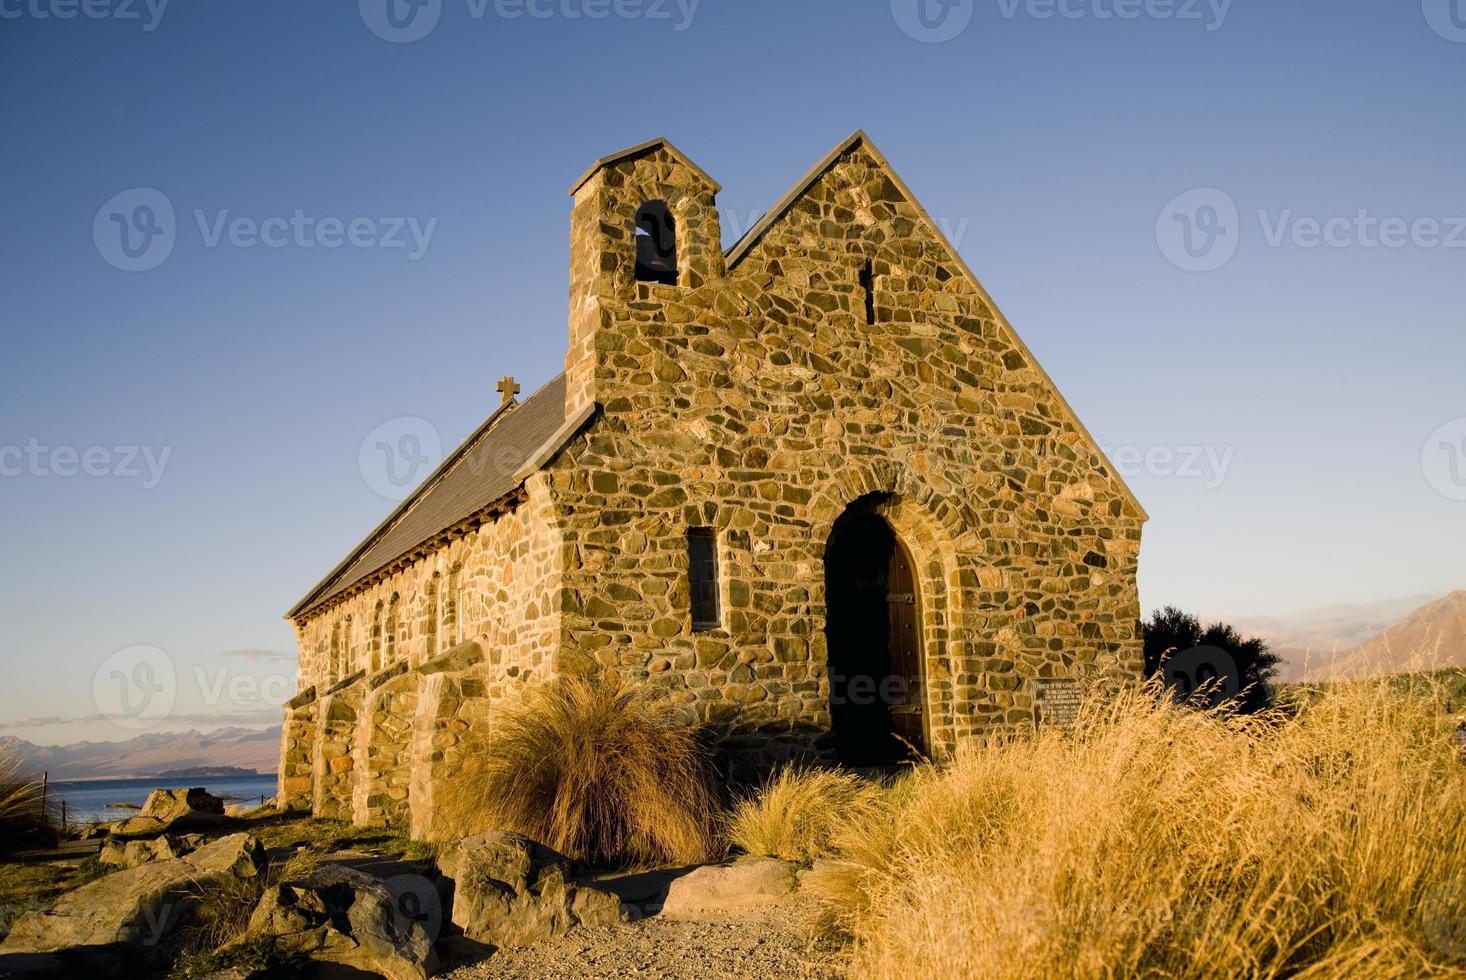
x,y
138,907
510,891
746,883
340,915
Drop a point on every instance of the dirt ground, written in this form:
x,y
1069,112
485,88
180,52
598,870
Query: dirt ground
x,y
766,942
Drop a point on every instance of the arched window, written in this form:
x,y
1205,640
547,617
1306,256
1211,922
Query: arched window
x,y
656,244
348,665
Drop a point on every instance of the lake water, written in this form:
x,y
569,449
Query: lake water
x,y
87,801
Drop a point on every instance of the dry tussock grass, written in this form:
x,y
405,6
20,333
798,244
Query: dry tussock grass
x,y
23,823
796,814
1163,842
598,771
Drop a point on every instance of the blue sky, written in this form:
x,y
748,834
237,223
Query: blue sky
x,y
1285,414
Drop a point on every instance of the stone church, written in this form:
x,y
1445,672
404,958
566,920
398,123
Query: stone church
x,y
814,488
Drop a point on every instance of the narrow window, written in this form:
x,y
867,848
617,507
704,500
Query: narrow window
x,y
702,577
868,286
376,638
432,615
334,674
391,632
656,244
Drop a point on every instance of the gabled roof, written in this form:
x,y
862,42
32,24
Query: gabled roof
x,y
514,442
640,149
744,245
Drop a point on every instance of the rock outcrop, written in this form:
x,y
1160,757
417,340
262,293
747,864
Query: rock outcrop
x,y
340,915
747,882
510,891
138,908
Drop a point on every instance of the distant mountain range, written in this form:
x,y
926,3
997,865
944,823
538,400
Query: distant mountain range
x,y
149,755
1390,636
1309,640
1430,638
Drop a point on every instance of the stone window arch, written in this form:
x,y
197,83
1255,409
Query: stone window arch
x,y
656,244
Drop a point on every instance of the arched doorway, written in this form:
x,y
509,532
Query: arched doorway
x,y
873,627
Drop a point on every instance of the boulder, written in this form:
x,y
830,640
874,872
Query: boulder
x,y
510,891
131,853
340,915
138,907
747,882
172,810
170,804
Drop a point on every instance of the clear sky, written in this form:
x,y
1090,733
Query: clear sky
x,y
181,446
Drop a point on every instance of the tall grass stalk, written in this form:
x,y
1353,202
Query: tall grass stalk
x,y
1157,841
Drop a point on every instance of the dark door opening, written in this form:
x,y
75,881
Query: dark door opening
x,y
874,633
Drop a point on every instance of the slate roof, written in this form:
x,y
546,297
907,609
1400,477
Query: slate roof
x,y
491,463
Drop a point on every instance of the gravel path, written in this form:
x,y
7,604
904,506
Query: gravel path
x,y
762,942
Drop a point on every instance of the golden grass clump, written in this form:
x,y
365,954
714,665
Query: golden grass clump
x,y
1157,841
598,771
23,821
797,812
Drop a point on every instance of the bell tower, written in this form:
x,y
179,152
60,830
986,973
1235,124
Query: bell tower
x,y
643,229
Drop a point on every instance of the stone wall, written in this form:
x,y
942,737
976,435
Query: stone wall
x,y
500,581
758,401
844,358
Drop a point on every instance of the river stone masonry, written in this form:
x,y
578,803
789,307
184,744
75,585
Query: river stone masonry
x,y
839,359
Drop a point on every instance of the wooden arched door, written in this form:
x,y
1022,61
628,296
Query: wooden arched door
x,y
873,629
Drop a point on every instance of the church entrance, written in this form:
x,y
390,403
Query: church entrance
x,y
873,628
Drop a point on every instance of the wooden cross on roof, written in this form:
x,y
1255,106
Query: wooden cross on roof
x,y
507,389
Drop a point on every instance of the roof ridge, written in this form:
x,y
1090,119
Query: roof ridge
x,y
405,507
